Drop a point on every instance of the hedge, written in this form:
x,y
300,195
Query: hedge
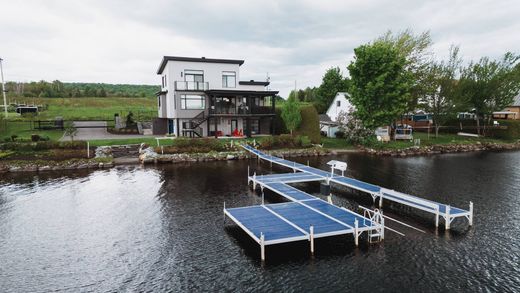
x,y
278,123
512,131
310,125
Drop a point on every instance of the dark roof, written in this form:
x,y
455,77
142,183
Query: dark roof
x,y
161,93
242,92
324,118
252,82
195,59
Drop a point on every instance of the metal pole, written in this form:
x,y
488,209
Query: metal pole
x,y
356,232
88,150
471,213
262,246
447,218
3,87
312,238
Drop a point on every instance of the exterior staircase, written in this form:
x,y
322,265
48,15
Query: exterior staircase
x,y
194,129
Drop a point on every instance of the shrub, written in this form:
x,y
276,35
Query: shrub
x,y
279,126
35,137
267,143
340,134
286,141
304,141
512,131
14,137
310,125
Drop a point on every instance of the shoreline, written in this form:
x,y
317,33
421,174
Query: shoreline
x,y
147,156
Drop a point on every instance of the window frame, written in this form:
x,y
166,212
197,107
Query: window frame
x,y
225,75
184,99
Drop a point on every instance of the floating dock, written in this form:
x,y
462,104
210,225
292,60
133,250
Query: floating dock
x,y
447,212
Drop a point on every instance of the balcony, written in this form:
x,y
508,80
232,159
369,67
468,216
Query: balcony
x,y
233,109
191,86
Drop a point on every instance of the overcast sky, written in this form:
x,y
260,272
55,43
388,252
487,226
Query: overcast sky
x,y
124,41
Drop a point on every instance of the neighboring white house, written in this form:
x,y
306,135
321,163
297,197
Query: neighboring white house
x,y
339,104
205,97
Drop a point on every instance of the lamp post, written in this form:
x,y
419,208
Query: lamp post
x,y
3,87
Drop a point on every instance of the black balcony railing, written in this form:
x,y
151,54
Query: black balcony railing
x,y
237,110
191,86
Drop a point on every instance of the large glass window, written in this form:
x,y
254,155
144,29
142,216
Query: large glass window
x,y
193,102
194,75
229,79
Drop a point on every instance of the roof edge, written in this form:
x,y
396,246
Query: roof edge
x,y
196,59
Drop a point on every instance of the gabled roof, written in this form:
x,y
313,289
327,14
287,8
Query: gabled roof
x,y
344,94
195,59
324,118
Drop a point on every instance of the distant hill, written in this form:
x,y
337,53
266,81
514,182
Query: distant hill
x,y
58,89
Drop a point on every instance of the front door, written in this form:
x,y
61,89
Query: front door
x,y
171,126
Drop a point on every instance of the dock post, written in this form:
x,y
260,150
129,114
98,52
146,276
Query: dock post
x,y
470,213
254,181
88,149
262,246
329,198
356,241
224,213
380,201
447,219
437,217
311,235
382,226
262,189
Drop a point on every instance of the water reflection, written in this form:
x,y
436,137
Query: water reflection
x,y
161,229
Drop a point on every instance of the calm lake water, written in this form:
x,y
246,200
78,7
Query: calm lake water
x,y
162,229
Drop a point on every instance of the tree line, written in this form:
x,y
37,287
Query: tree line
x,y
58,89
398,73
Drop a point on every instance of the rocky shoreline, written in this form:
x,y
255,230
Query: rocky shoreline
x,y
147,155
444,149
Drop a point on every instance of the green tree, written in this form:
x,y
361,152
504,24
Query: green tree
x,y
490,85
416,49
439,89
332,83
70,130
291,114
380,85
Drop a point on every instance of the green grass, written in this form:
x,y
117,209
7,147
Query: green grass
x,y
90,108
336,143
24,131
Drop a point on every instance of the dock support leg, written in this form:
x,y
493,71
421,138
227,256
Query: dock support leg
x,y
324,188
356,240
329,198
437,219
380,201
254,181
311,229
262,189
447,219
262,246
470,213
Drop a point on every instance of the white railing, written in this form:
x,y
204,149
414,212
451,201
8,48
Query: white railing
x,y
191,86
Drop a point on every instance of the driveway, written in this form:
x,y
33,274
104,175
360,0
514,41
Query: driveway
x,y
98,131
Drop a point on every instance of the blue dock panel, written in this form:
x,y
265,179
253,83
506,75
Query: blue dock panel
x,y
289,192
258,219
340,214
304,217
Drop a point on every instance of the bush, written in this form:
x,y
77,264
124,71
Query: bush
x,y
310,125
304,141
279,126
193,145
286,141
267,143
339,134
512,131
35,137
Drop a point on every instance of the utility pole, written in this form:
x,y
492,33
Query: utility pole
x,y
3,88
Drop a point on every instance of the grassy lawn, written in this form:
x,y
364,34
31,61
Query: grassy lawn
x,y
336,143
90,108
24,131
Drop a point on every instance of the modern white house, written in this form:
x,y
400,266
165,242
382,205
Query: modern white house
x,y
329,121
205,97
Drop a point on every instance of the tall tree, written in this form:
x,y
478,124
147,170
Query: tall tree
x,y
380,86
332,83
291,114
439,89
490,85
416,49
